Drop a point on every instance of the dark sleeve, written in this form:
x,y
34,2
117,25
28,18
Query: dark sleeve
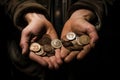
x,y
16,9
99,7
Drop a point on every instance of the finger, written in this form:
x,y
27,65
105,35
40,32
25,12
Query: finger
x,y
51,31
34,39
83,52
71,56
58,57
64,52
50,64
53,60
66,29
25,36
37,59
24,47
94,37
91,31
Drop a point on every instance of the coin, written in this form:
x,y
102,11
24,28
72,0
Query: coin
x,y
75,48
71,36
83,39
74,42
67,43
44,54
35,47
45,39
48,48
77,41
56,43
40,53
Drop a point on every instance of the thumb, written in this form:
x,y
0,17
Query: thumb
x,y
24,42
24,47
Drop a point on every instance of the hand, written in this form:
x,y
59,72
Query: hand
x,y
78,23
37,24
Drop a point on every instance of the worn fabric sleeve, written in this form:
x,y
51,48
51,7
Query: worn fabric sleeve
x,y
16,9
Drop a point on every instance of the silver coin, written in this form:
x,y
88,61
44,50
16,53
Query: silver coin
x,y
71,36
35,47
40,53
56,43
44,54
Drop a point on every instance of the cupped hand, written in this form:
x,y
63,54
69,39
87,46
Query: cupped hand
x,y
79,24
37,25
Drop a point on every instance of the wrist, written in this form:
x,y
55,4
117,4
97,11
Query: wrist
x,y
83,14
34,17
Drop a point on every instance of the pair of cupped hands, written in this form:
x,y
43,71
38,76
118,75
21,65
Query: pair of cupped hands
x,y
77,23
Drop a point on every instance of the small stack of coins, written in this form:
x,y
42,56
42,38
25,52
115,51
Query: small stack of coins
x,y
45,46
75,42
37,49
45,41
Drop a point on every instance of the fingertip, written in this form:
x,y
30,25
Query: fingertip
x,y
58,56
94,37
83,53
92,45
59,60
44,64
24,50
64,53
79,57
71,56
38,59
67,60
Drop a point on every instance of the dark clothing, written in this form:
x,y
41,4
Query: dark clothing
x,y
17,8
13,11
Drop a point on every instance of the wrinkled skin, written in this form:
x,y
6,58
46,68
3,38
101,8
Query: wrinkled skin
x,y
78,23
36,24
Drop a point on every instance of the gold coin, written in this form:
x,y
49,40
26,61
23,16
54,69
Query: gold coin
x,y
83,39
56,43
35,47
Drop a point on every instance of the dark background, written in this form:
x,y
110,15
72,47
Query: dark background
x,y
103,59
